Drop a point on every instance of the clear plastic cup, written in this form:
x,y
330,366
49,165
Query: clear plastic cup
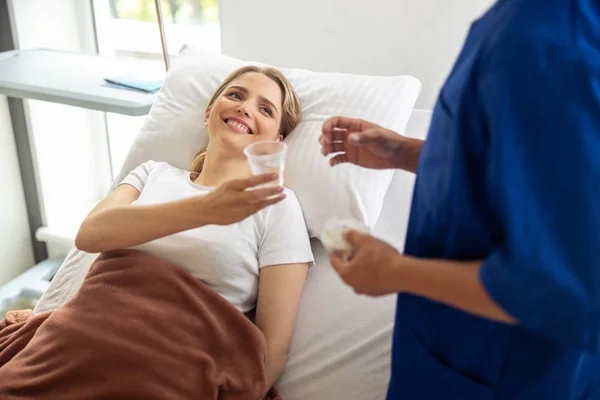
x,y
267,157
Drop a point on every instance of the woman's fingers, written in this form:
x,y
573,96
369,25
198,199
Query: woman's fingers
x,y
257,195
254,180
267,202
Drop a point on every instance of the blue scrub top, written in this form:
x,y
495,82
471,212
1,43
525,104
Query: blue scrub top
x,y
510,174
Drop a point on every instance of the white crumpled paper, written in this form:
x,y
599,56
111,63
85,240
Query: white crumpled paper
x,y
332,236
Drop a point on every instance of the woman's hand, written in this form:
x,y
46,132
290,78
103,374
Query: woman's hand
x,y
238,199
361,143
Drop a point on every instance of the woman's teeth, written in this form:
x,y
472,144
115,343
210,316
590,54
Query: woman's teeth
x,y
238,127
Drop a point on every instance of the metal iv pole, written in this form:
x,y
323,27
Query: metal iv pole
x,y
163,38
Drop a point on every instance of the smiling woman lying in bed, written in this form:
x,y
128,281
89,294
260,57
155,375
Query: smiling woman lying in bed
x,y
249,246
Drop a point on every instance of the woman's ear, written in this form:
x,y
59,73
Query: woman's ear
x,y
279,138
206,116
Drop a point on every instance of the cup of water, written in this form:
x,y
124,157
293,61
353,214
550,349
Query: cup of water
x,y
267,157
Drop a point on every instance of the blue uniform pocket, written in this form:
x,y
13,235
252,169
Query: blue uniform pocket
x,y
423,376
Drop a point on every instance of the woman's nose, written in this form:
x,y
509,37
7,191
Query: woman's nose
x,y
242,110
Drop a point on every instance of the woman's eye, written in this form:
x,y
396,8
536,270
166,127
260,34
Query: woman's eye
x,y
235,95
268,111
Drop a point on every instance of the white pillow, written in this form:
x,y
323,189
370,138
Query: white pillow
x,y
174,132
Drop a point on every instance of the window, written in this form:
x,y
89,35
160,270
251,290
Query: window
x,y
69,144
129,28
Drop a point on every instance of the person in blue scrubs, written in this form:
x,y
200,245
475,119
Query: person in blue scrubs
x,y
499,286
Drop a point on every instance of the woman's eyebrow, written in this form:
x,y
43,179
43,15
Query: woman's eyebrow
x,y
265,100
240,88
262,98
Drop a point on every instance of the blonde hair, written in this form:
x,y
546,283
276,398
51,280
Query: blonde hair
x,y
291,104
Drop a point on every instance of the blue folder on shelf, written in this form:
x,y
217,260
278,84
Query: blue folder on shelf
x,y
134,82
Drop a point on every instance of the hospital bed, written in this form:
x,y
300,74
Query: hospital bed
x,y
341,344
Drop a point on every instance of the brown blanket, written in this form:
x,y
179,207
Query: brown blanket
x,y
139,328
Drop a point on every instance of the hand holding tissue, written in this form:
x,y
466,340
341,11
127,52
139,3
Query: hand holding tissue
x,y
333,239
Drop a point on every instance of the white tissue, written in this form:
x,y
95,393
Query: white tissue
x,y
332,236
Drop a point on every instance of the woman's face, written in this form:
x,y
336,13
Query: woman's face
x,y
248,110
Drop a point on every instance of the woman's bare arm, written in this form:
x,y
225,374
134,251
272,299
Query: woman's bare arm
x,y
115,224
279,290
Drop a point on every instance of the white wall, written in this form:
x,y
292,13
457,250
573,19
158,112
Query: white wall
x,y
377,37
16,253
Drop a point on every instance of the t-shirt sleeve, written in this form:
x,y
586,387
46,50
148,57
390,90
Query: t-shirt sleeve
x,y
285,239
139,176
543,177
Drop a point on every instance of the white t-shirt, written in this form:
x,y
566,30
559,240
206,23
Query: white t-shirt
x,y
227,258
